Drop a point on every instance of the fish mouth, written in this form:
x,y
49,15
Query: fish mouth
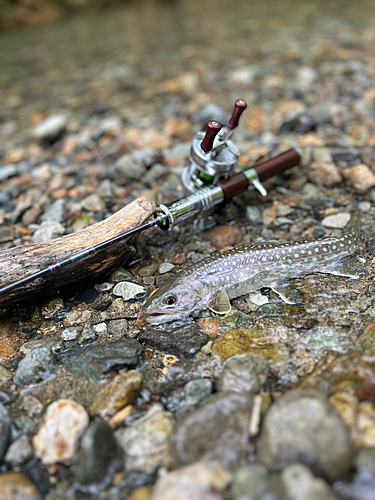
x,y
156,318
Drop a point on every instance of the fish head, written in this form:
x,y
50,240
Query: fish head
x,y
169,303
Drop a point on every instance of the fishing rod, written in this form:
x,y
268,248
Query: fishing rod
x,y
213,157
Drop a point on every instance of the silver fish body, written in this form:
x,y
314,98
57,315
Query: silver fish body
x,y
213,282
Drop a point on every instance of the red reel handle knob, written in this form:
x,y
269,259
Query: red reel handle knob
x,y
239,107
212,129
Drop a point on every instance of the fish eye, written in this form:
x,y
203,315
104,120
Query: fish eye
x,y
170,299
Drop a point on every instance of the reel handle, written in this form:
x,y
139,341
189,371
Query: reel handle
x,y
239,107
212,129
240,182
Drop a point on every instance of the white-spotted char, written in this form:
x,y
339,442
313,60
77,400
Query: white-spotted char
x,y
211,283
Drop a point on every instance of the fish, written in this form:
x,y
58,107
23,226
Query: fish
x,y
214,281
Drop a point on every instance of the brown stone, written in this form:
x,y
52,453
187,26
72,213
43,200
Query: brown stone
x,y
360,177
17,486
223,236
115,395
210,326
324,173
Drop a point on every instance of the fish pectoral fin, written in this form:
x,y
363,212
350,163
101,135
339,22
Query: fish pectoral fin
x,y
287,292
220,302
349,268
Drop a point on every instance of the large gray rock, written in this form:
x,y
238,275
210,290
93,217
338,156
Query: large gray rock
x,y
37,365
99,456
145,443
243,373
303,427
217,430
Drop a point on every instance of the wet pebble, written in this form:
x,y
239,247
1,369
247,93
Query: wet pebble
x,y
103,287
27,347
303,427
210,326
360,177
6,203
119,392
5,376
47,231
5,423
336,221
99,456
149,270
156,171
19,452
7,171
183,339
301,124
52,307
88,334
100,329
254,215
31,405
223,236
117,327
128,290
63,425
324,174
250,482
366,341
322,155
31,216
93,203
70,333
196,393
36,366
128,169
359,417
146,442
165,267
200,481
243,374
17,486
297,481
56,212
51,128
217,430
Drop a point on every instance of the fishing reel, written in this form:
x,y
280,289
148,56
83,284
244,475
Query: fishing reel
x,y
213,156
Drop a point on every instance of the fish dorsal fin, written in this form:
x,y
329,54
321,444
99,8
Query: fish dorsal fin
x,y
220,302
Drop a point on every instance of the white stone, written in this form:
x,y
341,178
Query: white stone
x,y
100,328
165,267
51,127
57,440
336,221
128,290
